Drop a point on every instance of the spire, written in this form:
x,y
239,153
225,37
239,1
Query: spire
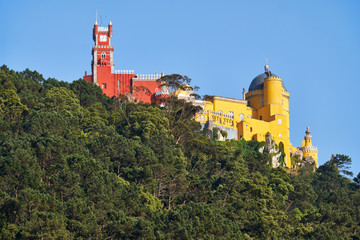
x,y
96,22
307,131
110,23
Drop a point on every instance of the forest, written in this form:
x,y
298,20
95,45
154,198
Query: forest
x,y
76,164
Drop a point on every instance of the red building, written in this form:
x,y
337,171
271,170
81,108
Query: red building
x,y
142,87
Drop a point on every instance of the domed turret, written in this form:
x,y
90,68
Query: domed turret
x,y
258,82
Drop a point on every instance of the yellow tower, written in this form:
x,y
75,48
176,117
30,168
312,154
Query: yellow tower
x,y
272,90
308,149
269,100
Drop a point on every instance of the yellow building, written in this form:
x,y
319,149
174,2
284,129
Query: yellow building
x,y
263,109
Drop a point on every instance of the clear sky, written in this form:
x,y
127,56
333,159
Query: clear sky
x,y
222,45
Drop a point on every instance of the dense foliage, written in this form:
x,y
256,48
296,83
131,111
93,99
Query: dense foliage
x,y
75,164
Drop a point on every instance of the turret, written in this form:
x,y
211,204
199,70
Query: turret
x,y
307,138
110,29
272,88
95,31
308,149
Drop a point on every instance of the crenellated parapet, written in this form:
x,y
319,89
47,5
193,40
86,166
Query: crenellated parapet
x,y
254,93
124,72
103,47
273,77
309,149
144,77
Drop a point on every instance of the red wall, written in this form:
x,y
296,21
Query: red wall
x,y
88,78
111,80
152,86
125,83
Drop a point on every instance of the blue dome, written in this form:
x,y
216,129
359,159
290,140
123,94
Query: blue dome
x,y
258,82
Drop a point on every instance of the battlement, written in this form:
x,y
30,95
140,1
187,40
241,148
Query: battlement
x,y
124,72
103,29
273,77
254,93
311,149
144,77
103,47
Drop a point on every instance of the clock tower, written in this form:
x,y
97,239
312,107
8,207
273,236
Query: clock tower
x,y
103,62
140,87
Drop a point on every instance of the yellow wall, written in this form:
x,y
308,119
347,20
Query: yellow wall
x,y
272,90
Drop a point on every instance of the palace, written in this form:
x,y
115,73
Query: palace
x,y
264,109
262,112
142,87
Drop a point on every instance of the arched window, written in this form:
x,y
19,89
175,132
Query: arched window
x,y
242,117
250,129
103,55
260,117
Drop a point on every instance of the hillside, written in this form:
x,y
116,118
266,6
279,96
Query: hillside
x,y
75,164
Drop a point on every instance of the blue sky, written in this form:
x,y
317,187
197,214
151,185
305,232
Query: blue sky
x,y
313,45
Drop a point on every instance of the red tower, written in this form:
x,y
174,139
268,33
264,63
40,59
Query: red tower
x,y
115,82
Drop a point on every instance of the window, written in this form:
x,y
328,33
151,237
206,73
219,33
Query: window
x,y
103,55
260,117
104,85
279,134
242,117
118,84
249,116
231,113
279,121
262,101
250,129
